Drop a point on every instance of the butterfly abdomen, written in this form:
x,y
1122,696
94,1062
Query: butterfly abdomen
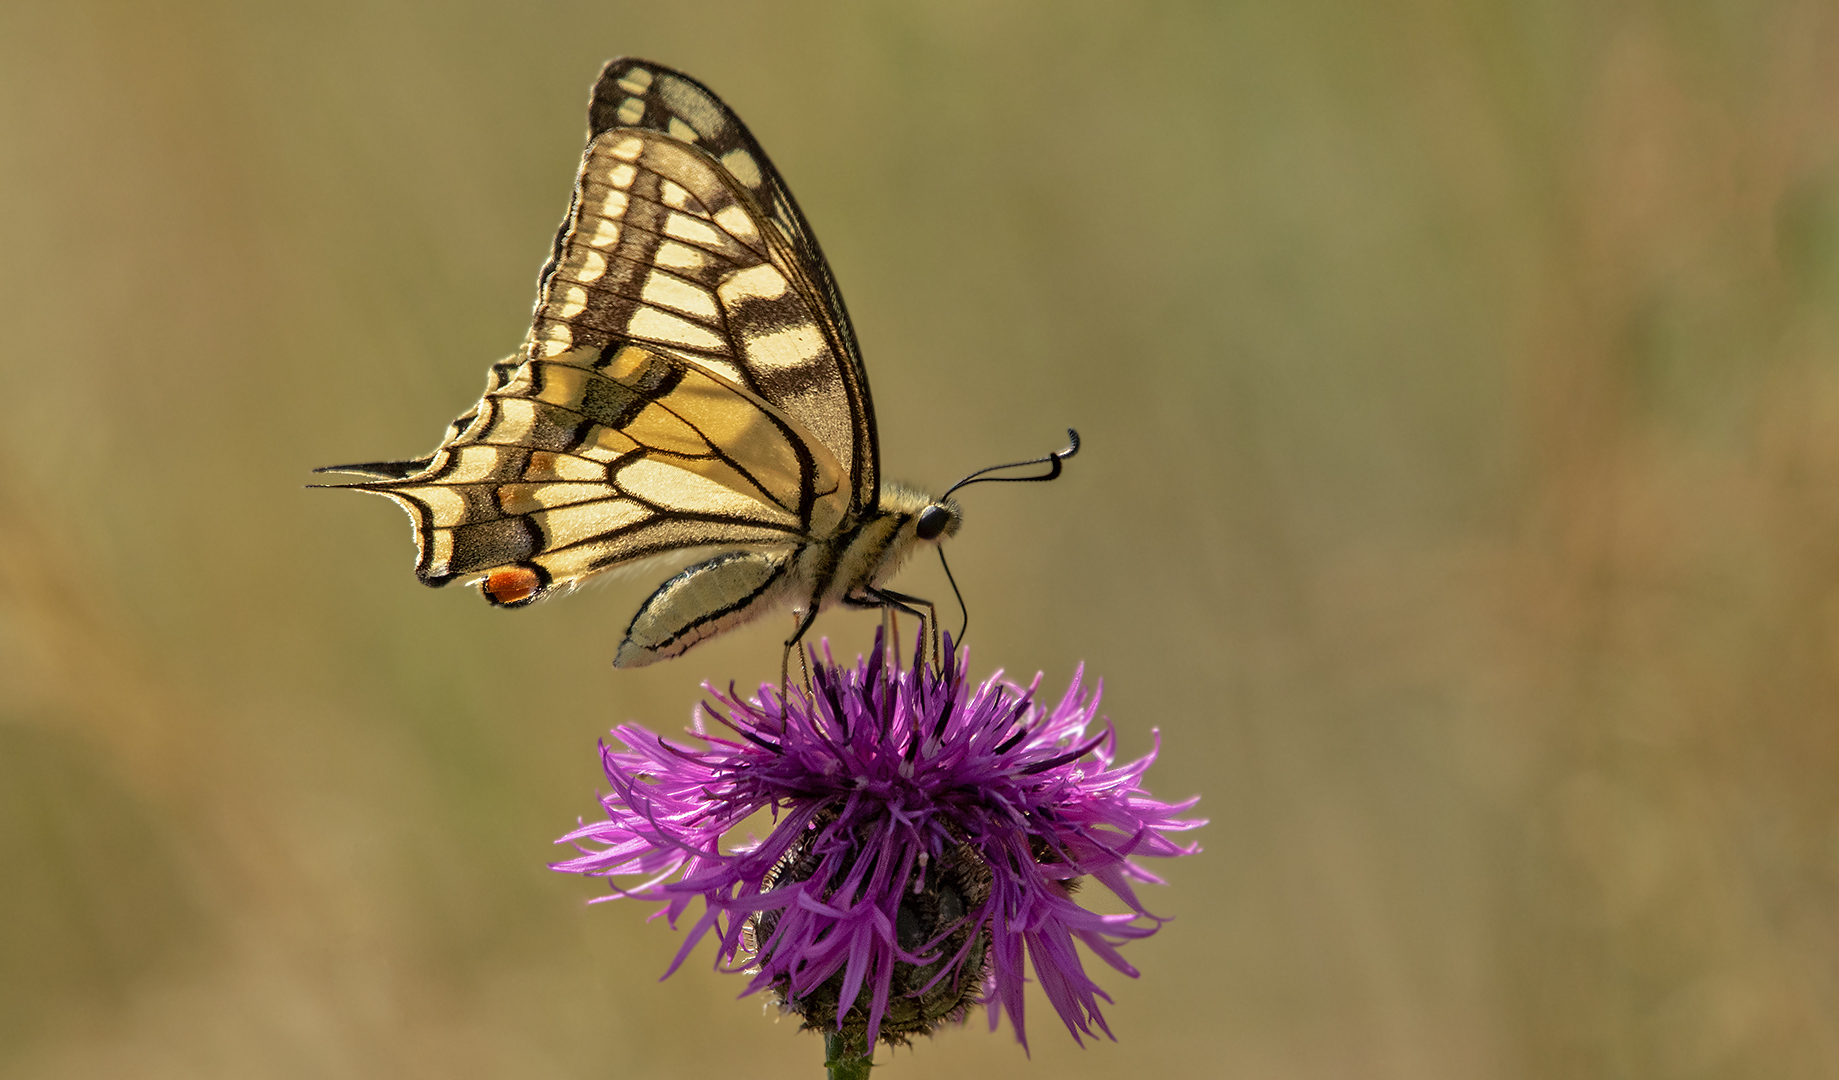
x,y
738,587
705,600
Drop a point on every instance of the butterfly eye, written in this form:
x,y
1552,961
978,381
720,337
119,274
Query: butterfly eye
x,y
932,522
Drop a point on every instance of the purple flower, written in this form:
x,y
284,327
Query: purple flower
x,y
927,835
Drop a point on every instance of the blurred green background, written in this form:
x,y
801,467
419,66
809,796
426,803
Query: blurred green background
x,y
1461,500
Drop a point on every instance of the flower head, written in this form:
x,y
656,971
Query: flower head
x,y
927,836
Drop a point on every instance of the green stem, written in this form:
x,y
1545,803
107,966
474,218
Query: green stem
x,y
845,1058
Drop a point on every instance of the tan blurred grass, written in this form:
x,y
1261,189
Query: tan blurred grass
x,y
1460,502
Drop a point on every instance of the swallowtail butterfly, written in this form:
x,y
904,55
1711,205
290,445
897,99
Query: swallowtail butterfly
x,y
690,380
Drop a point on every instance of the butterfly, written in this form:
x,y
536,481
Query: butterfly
x,y
690,380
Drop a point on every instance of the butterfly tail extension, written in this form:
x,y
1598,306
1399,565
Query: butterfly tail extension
x,y
703,601
380,470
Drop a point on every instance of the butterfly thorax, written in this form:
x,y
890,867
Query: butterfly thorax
x,y
861,557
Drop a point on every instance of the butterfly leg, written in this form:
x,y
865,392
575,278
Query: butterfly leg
x,y
890,621
890,634
888,599
800,623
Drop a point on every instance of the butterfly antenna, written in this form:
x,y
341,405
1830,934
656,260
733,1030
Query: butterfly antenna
x,y
1053,461
966,624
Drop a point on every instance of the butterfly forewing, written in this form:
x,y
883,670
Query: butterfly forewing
x,y
663,248
636,94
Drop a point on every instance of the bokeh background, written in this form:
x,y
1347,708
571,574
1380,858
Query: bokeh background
x,y
1461,500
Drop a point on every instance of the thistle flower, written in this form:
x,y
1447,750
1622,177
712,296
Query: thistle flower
x,y
927,836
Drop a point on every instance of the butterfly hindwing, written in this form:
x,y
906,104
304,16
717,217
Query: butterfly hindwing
x,y
598,456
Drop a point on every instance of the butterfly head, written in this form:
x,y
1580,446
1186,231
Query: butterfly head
x,y
921,517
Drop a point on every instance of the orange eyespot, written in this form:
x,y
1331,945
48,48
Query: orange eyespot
x,y
509,585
